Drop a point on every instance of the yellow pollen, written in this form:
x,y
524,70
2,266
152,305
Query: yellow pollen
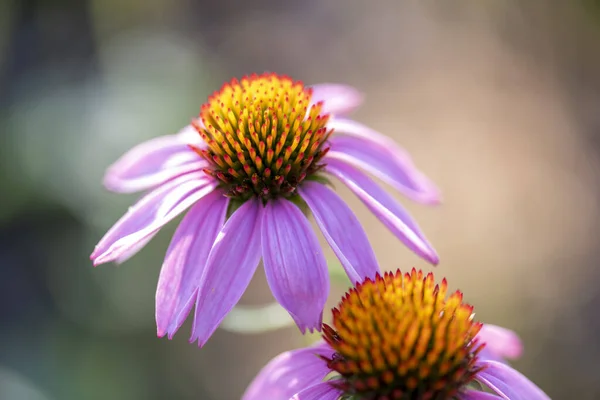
x,y
402,337
263,136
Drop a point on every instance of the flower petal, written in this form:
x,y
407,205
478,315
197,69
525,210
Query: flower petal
x,y
387,162
189,134
385,207
499,342
342,230
508,382
149,214
337,99
229,269
476,395
295,266
185,261
133,250
320,391
289,373
152,163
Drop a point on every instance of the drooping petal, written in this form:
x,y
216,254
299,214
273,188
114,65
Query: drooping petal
x,y
385,207
149,214
500,343
320,391
387,162
289,373
134,249
153,162
337,99
476,395
508,382
229,269
185,261
295,266
342,230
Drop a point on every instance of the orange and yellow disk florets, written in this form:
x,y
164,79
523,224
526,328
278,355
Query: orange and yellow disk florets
x,y
399,337
264,136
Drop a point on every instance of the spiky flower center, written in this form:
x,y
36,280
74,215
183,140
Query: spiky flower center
x,y
398,337
264,136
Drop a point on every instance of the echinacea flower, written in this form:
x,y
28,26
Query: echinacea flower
x,y
400,337
261,147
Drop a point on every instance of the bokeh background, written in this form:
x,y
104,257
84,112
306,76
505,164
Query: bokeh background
x,y
498,102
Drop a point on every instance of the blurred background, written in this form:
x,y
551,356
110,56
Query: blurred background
x,y
498,102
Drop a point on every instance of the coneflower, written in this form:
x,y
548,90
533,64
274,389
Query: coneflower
x,y
400,337
259,152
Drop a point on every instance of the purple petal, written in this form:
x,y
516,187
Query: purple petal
x,y
133,250
185,262
149,214
387,162
152,163
189,135
289,373
476,395
295,266
320,391
337,99
508,382
385,207
342,230
229,269
499,342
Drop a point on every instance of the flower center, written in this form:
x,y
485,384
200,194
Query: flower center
x,y
398,337
263,136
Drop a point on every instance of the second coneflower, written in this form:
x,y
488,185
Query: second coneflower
x,y
259,149
400,337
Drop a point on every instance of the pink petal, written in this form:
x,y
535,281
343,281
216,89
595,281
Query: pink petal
x,y
342,230
153,162
289,373
508,382
337,99
475,395
229,269
185,261
500,342
189,135
295,266
387,162
149,214
133,250
320,391
385,207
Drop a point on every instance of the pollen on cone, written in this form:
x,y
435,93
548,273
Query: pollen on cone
x,y
263,135
401,337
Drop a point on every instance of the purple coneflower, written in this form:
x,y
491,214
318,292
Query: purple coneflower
x,y
260,149
400,337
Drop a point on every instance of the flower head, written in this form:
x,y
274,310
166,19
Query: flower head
x,y
263,136
261,146
400,336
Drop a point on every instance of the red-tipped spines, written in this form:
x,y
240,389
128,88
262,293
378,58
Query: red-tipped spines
x,y
366,345
263,129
